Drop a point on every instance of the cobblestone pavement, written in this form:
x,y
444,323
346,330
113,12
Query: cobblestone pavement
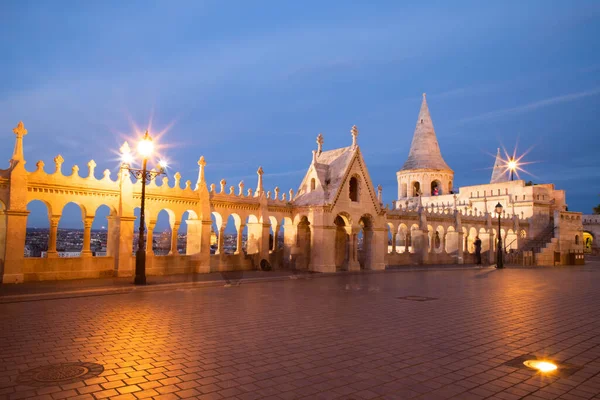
x,y
348,337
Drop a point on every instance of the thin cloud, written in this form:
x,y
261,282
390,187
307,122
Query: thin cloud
x,y
533,106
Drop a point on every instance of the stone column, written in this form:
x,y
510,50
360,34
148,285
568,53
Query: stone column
x,y
112,236
221,240
263,245
460,243
192,241
275,238
149,235
322,249
124,261
254,237
52,253
87,235
14,250
289,241
377,257
394,236
238,245
174,233
2,242
353,264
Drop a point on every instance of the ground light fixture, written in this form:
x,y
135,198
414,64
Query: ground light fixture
x,y
541,365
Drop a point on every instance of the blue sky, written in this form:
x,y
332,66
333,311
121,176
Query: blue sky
x,y
253,83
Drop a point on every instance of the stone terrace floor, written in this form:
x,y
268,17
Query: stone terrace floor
x,y
343,336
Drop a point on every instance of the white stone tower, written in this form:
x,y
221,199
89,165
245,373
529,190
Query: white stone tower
x,y
425,173
500,172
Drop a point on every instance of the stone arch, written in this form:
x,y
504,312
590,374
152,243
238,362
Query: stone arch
x,y
191,227
313,184
410,236
576,239
69,237
588,241
471,240
439,240
342,242
162,231
104,240
415,187
303,239
436,187
232,224
215,232
404,189
275,231
511,241
451,244
402,239
354,188
391,246
365,247
429,236
253,233
38,228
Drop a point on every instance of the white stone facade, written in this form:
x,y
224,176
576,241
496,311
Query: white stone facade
x,y
335,220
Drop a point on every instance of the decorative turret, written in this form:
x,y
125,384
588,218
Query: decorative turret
x,y
500,173
425,173
424,149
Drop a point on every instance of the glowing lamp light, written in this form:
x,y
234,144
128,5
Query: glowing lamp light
x,y
126,158
542,366
145,147
512,165
498,208
163,164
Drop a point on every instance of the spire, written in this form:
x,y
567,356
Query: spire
x,y
424,149
20,131
354,132
499,174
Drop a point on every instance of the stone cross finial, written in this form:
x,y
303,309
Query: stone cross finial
x,y
320,143
268,194
20,131
259,186
249,192
241,187
276,192
91,168
223,183
212,187
379,190
58,162
75,170
283,196
125,148
40,165
177,178
291,194
354,132
201,164
232,190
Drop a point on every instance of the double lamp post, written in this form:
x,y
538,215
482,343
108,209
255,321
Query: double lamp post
x,y
145,149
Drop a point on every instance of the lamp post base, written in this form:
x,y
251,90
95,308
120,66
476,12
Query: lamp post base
x,y
140,267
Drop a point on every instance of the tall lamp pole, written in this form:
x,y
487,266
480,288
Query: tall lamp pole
x,y
145,149
499,261
512,166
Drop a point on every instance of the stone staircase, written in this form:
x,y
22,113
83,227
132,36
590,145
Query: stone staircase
x,y
536,251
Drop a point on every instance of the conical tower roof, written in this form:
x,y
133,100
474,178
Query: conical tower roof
x,y
499,174
424,149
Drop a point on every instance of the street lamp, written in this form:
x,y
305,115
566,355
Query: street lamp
x,y
499,261
512,166
145,149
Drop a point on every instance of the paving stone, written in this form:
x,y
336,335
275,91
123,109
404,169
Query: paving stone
x,y
315,339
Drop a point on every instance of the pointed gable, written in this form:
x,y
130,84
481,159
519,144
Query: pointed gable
x,y
329,168
335,166
424,150
500,172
